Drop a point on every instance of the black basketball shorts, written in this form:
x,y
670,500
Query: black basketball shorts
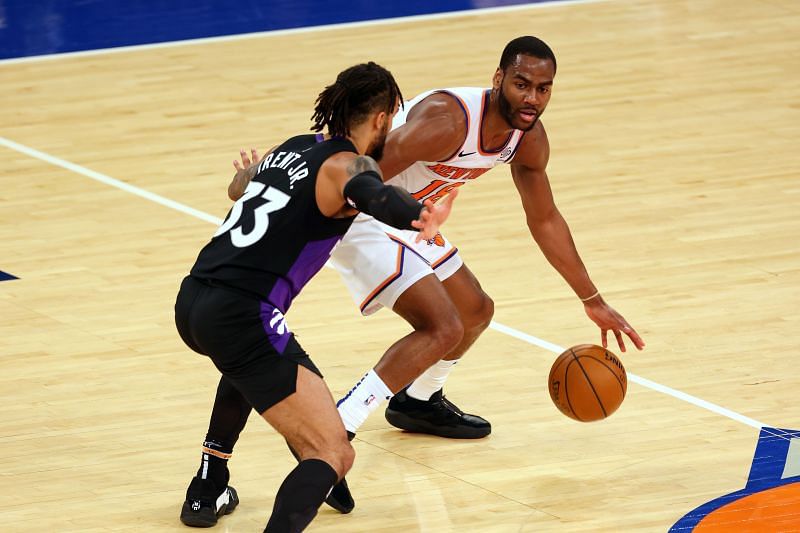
x,y
246,339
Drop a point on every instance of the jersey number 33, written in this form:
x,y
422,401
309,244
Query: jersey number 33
x,y
275,200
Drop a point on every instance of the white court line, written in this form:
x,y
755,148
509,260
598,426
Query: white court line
x,y
494,325
694,400
308,29
102,178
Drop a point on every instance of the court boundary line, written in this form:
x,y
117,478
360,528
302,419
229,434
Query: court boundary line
x,y
497,326
292,31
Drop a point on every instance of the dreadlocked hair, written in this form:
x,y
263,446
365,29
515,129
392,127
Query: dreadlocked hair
x,y
358,91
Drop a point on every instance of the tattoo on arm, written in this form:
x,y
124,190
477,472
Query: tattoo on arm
x,y
361,164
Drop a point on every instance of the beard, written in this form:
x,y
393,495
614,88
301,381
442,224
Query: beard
x,y
375,151
508,113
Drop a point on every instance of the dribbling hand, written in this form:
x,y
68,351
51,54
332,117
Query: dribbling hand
x,y
607,319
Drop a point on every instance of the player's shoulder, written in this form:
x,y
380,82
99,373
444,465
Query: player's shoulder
x,y
302,140
440,105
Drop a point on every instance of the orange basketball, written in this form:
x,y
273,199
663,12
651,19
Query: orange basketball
x,y
587,382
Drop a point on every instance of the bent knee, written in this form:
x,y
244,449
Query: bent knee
x,y
447,332
337,452
343,457
486,312
478,317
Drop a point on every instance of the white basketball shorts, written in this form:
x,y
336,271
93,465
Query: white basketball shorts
x,y
379,262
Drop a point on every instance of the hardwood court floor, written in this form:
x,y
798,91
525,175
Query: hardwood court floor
x,y
674,128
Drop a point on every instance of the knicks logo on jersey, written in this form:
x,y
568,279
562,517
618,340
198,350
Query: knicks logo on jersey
x,y
437,240
770,501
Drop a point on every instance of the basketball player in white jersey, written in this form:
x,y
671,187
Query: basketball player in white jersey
x,y
441,140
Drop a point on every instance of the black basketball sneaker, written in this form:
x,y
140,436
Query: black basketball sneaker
x,y
340,498
437,416
205,503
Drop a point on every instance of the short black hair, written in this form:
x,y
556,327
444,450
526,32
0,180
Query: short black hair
x,y
529,46
358,91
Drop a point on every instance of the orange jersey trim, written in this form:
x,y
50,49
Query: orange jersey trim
x,y
385,283
453,251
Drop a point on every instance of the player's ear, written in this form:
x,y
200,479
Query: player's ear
x,y
380,120
497,79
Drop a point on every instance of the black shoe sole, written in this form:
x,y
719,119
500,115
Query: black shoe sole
x,y
206,517
403,421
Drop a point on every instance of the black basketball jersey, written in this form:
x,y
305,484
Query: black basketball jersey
x,y
275,238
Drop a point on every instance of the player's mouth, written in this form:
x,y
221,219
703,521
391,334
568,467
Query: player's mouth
x,y
528,115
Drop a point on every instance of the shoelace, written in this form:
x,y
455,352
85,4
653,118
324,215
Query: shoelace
x,y
447,404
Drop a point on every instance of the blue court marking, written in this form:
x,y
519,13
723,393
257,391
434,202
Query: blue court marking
x,y
5,276
58,26
769,462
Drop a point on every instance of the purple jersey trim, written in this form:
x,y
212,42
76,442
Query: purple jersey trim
x,y
310,260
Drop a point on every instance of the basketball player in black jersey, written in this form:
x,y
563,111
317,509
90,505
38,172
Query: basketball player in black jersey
x,y
298,203
448,316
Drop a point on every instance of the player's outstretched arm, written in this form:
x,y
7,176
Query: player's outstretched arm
x,y
552,234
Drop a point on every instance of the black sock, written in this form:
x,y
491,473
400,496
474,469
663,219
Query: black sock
x,y
228,419
300,495
214,464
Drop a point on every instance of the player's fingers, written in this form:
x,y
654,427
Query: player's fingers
x,y
636,338
620,340
254,155
630,332
604,337
237,165
451,196
245,159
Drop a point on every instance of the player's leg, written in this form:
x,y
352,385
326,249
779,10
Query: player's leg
x,y
209,495
309,422
475,310
422,407
436,330
381,265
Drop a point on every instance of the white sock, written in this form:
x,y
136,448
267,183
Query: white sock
x,y
365,397
431,380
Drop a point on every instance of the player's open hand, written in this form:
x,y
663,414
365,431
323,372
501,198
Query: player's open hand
x,y
244,173
433,216
247,161
608,319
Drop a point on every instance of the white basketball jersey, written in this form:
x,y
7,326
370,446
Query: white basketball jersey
x,y
433,179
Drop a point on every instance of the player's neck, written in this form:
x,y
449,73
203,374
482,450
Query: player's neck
x,y
361,137
495,129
